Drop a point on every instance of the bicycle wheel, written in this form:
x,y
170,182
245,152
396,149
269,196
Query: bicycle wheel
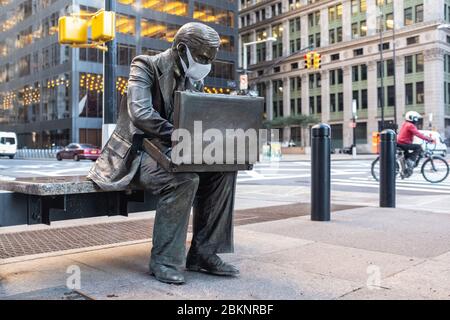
x,y
435,169
376,169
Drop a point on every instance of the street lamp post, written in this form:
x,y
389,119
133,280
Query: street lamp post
x,y
381,26
109,94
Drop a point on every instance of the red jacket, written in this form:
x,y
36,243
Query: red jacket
x,y
407,133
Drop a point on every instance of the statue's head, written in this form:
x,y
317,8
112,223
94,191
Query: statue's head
x,y
197,45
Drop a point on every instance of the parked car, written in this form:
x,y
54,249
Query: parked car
x,y
79,151
8,144
441,147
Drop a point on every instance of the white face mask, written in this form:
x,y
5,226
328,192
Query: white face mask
x,y
196,71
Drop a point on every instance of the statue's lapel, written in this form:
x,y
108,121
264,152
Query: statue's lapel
x,y
166,80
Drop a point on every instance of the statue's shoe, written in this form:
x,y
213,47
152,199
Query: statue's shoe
x,y
210,263
167,274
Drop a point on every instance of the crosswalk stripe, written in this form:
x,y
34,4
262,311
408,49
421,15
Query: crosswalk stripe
x,y
398,187
405,182
430,188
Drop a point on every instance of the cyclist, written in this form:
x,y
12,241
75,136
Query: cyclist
x,y
406,136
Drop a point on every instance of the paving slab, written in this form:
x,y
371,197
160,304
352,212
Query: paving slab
x,y
398,231
340,262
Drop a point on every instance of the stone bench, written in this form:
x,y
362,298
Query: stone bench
x,y
42,199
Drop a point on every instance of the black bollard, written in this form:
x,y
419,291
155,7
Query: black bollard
x,y
388,151
320,172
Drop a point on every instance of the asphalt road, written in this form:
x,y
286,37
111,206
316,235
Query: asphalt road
x,y
350,175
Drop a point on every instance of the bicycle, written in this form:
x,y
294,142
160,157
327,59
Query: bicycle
x,y
435,169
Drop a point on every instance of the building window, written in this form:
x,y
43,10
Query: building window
x,y
335,57
412,40
419,13
355,74
340,101
419,62
125,54
409,94
125,24
390,96
420,96
409,65
358,52
409,19
211,14
364,103
332,102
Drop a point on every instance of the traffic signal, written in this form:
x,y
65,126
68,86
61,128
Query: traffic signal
x,y
104,26
72,30
308,59
317,60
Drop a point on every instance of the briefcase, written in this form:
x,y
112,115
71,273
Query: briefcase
x,y
200,121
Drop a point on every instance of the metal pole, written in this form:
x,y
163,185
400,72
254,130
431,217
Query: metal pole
x,y
388,150
395,64
320,172
382,70
244,60
109,76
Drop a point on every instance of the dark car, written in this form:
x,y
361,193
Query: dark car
x,y
79,151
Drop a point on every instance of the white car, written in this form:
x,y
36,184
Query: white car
x,y
440,148
8,144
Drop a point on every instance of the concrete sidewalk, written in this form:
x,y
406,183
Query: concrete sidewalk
x,y
364,253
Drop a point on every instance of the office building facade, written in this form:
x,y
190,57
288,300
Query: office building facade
x,y
353,37
52,94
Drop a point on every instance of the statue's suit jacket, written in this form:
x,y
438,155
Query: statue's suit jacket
x,y
147,113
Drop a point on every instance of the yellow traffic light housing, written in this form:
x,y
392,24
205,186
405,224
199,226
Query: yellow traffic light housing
x,y
103,26
72,30
308,58
317,60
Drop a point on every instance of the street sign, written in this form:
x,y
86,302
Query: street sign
x,y
243,82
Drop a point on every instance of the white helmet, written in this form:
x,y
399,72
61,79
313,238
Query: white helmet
x,y
412,116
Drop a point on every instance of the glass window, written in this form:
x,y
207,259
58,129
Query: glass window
x,y
211,14
125,24
175,7
364,103
419,13
408,16
409,100
333,102
363,72
409,65
355,74
363,6
391,96
419,62
355,6
420,96
332,13
340,101
390,67
363,28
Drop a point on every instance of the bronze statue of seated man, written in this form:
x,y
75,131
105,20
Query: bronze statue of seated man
x,y
149,114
